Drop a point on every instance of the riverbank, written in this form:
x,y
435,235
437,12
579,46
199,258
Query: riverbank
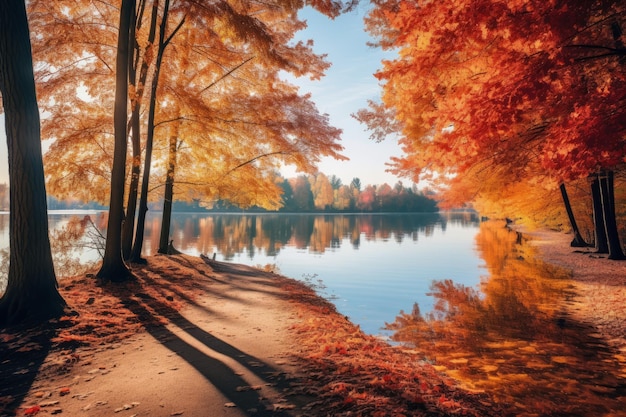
x,y
195,337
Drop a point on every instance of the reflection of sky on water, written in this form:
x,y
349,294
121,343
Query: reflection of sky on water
x,y
373,266
373,283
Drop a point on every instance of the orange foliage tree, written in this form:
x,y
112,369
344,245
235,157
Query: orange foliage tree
x,y
237,120
522,90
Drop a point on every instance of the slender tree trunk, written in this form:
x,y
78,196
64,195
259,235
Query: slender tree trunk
x,y
169,195
138,83
31,295
128,226
578,241
143,201
113,266
598,218
610,222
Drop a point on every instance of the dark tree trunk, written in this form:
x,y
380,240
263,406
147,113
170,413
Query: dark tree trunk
x,y
31,295
128,227
578,241
610,222
598,218
169,195
143,201
113,266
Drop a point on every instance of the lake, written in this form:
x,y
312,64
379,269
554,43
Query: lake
x,y
370,265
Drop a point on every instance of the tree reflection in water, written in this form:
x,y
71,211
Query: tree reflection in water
x,y
514,339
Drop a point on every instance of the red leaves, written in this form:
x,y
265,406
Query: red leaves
x,y
356,374
505,89
31,411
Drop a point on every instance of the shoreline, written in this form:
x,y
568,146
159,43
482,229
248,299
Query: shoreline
x,y
599,283
197,337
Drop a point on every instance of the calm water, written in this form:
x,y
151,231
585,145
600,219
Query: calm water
x,y
496,318
372,266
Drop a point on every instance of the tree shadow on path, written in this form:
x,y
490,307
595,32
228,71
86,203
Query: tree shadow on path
x,y
22,353
230,383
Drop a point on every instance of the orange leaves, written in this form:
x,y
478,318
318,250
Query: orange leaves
x,y
361,375
498,87
237,119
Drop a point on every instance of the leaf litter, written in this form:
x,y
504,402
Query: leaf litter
x,y
340,370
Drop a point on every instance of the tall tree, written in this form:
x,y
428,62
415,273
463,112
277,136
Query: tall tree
x,y
138,74
238,128
113,266
168,198
578,240
163,41
31,293
526,88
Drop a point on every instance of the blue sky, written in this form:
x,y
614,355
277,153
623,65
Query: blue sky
x,y
345,89
347,86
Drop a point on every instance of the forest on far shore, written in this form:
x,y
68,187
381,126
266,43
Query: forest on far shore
x,y
303,194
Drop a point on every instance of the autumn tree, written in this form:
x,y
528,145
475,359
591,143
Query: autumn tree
x,y
322,191
302,195
235,129
531,89
113,266
31,294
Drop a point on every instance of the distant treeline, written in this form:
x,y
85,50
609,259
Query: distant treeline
x,y
321,194
304,194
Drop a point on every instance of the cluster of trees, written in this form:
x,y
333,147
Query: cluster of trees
x,y
502,101
193,86
320,193
307,193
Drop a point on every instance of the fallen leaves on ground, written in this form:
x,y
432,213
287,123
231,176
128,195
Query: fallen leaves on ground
x,y
354,374
345,371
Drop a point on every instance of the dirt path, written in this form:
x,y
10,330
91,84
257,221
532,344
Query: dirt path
x,y
600,283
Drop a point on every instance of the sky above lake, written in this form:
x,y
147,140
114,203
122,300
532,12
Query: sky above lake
x,y
345,89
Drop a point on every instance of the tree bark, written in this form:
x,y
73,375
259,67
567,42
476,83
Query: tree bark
x,y
610,222
113,266
598,217
578,241
143,200
169,195
128,227
31,295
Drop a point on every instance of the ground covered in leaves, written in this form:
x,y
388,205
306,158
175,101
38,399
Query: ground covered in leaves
x,y
341,371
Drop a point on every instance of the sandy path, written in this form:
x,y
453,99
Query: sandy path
x,y
600,283
228,354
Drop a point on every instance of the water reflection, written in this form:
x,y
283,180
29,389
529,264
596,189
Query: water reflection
x,y
514,339
371,265
248,233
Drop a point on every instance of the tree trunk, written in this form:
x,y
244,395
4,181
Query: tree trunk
x,y
143,201
128,228
610,222
169,195
113,267
598,218
578,241
31,295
